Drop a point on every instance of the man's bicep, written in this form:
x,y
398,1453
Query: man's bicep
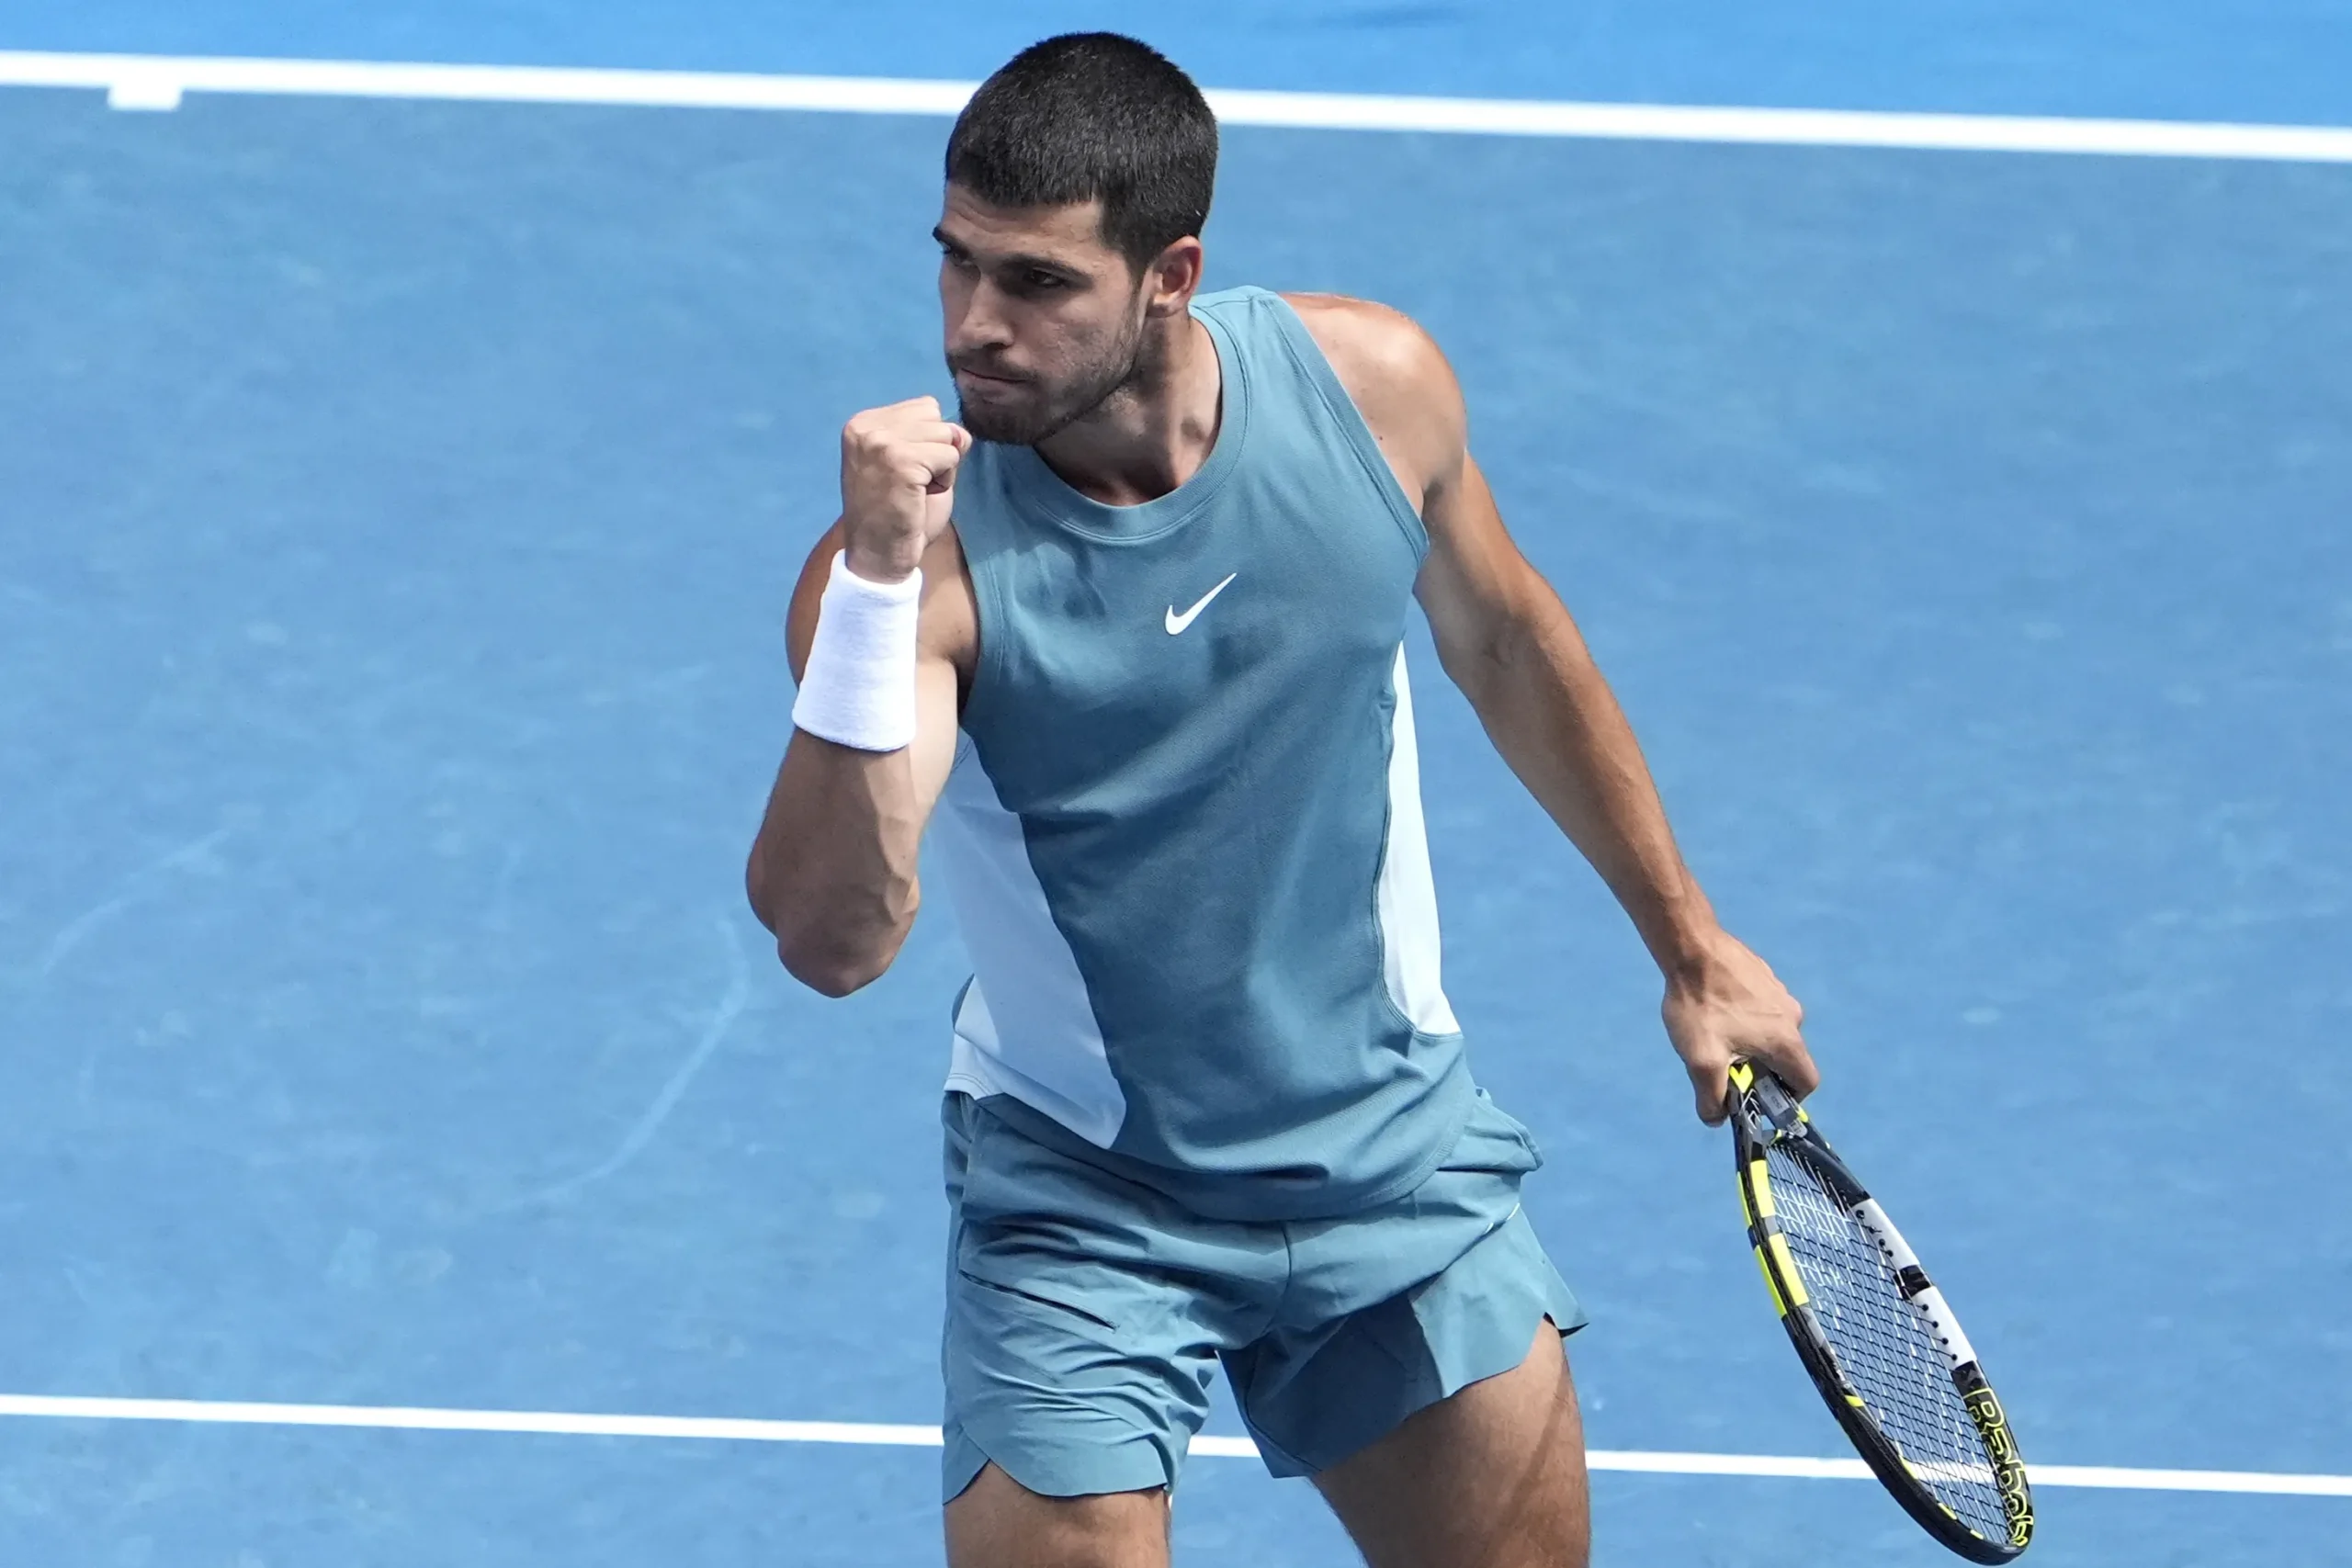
x,y
1474,583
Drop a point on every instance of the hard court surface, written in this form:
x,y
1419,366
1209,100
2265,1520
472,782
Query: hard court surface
x,y
397,504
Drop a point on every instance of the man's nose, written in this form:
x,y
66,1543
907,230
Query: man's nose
x,y
982,325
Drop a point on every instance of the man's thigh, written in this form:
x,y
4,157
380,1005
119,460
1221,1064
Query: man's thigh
x,y
1491,1477
996,1522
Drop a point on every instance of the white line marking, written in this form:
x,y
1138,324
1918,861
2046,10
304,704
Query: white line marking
x,y
1325,111
401,1418
574,1425
135,90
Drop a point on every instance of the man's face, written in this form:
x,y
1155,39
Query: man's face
x,y
1043,319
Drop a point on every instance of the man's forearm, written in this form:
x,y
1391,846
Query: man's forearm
x,y
1553,717
833,870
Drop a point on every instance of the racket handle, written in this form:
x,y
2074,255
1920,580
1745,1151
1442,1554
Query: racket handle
x,y
1773,1099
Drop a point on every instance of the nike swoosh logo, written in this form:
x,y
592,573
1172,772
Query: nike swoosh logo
x,y
1177,623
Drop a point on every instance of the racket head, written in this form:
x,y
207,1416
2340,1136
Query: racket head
x,y
1874,1334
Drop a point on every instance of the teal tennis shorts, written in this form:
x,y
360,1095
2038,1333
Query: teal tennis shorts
x,y
1085,1313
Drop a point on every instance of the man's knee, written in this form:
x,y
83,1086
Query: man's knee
x,y
996,1522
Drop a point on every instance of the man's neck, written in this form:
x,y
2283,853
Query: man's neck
x,y
1152,435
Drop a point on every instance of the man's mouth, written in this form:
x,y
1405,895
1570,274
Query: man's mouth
x,y
992,379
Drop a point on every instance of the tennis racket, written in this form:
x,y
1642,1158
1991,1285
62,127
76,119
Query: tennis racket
x,y
1883,1347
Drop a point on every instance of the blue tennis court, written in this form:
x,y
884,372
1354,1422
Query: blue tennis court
x,y
398,501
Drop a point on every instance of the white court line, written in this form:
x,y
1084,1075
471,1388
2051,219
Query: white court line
x,y
158,81
563,1423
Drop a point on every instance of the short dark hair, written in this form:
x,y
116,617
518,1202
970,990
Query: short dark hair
x,y
1089,116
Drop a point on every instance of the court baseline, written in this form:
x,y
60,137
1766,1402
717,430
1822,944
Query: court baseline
x,y
739,1429
158,82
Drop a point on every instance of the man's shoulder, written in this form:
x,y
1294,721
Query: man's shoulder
x,y
1374,348
1396,374
1362,329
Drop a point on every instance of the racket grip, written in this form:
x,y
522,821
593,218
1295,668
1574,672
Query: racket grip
x,y
1772,1097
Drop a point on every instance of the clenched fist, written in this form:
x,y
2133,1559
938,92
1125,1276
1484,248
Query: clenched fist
x,y
898,485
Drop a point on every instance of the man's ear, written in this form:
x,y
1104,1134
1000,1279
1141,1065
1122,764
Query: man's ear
x,y
1173,277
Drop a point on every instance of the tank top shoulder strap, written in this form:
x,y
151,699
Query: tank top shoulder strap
x,y
1298,395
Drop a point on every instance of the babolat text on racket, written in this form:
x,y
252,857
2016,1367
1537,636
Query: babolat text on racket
x,y
1876,1336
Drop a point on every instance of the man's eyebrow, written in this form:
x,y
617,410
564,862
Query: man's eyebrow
x,y
1042,263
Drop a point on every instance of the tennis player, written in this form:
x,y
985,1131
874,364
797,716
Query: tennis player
x,y
1128,629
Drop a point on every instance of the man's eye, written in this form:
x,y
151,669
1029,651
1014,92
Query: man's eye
x,y
1038,282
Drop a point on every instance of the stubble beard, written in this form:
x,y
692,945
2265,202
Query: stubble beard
x,y
1124,367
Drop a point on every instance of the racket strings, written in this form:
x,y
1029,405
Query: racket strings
x,y
1884,1347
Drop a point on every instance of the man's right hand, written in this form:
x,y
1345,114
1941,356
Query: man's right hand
x,y
898,485
1729,1007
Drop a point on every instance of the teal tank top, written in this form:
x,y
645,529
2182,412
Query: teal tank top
x,y
1182,834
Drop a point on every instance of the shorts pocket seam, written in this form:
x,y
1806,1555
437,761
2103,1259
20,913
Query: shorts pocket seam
x,y
1034,1299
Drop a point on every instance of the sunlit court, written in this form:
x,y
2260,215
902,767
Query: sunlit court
x,y
416,1154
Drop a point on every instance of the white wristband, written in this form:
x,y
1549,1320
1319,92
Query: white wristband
x,y
859,687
